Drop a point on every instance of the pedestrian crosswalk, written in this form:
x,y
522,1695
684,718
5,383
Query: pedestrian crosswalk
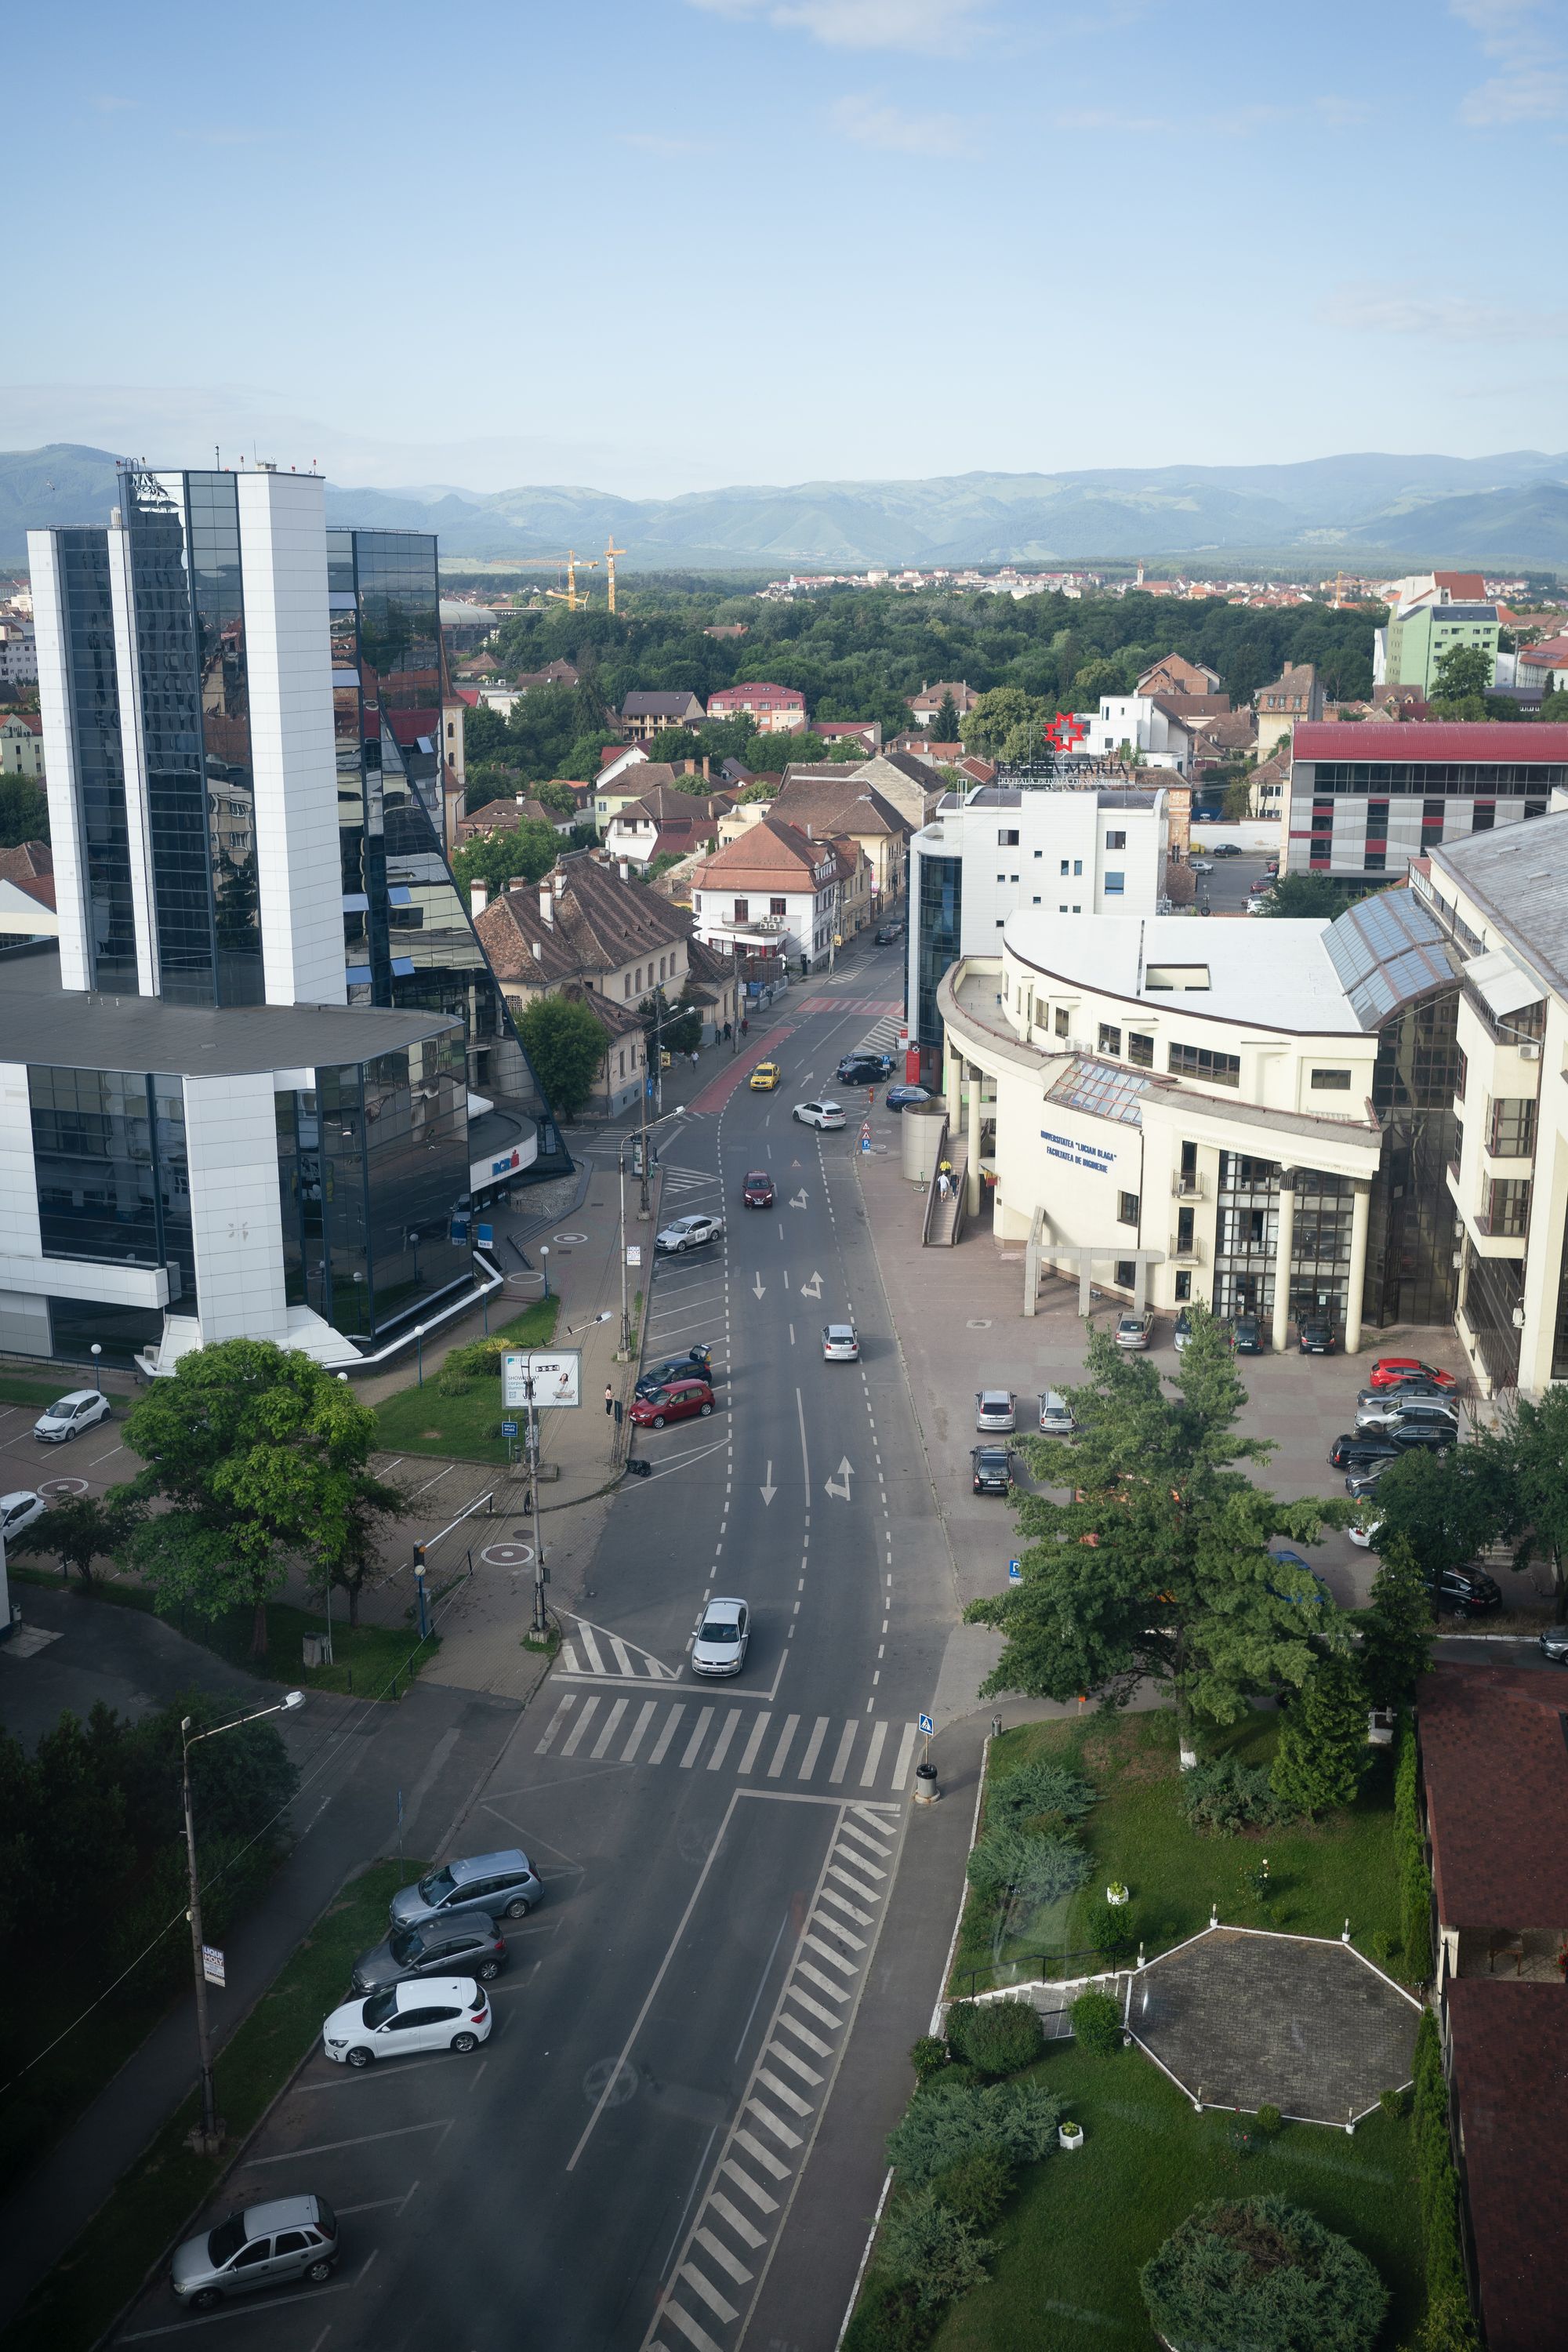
x,y
716,2273
851,1004
683,1180
592,1650
763,1743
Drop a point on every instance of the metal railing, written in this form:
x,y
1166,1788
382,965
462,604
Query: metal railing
x,y
1036,1966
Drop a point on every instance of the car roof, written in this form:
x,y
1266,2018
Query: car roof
x,y
725,1600
21,1494
72,1396
412,1991
996,1396
478,1866
832,1329
448,1931
279,2213
758,1176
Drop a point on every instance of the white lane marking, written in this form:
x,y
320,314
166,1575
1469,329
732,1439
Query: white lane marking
x,y
720,2254
803,2033
661,1745
792,1724
363,2140
880,1846
747,2187
697,1738
735,2220
689,2328
861,1918
650,1708
612,1724
813,2007
795,2064
596,1659
906,1751
807,1764
574,1739
777,2090
556,1722
873,1755
727,1733
749,1756
867,1894
772,2123
709,2292
841,1760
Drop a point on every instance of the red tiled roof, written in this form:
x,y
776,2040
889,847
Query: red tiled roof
x,y
27,862
1510,2046
1494,1756
1437,738
752,688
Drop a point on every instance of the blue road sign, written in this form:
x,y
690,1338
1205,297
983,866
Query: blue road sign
x,y
1015,1572
928,1726
509,1429
485,1235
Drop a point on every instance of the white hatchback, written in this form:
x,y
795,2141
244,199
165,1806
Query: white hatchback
x,y
69,1415
820,1114
19,1511
422,2013
840,1343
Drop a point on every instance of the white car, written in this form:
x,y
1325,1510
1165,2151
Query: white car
x,y
820,1114
995,1411
19,1511
421,2013
1202,865
1362,1529
69,1415
1056,1414
688,1233
1134,1330
840,1343
720,1648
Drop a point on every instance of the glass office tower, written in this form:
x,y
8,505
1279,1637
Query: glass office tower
x,y
93,699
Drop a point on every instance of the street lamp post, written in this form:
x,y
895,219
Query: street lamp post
x,y
625,1318
544,1262
97,1368
208,2137
419,1344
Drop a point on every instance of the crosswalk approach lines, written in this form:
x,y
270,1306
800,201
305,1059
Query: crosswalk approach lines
x,y
718,2271
798,1749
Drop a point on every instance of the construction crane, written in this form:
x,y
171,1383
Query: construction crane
x,y
568,595
611,551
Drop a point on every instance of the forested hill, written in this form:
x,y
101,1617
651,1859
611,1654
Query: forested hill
x,y
858,653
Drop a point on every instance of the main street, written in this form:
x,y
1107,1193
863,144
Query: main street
x,y
616,2166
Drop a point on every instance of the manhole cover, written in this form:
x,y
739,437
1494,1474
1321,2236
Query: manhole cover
x,y
63,1487
507,1555
980,1323
569,1241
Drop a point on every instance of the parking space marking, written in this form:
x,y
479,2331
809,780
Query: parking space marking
x,y
259,2304
443,2124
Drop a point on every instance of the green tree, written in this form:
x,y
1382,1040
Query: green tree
x,y
1554,706
556,797
1297,895
258,1456
678,1027
1158,1565
1528,1458
1323,1751
523,853
1463,671
926,2243
81,1528
945,731
1397,1629
674,743
996,718
565,1044
24,811
1266,2276
1445,1511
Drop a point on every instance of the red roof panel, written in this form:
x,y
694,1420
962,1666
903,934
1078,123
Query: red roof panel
x,y
1431,738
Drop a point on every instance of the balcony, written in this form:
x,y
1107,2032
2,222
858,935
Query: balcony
x,y
1189,1187
1191,1253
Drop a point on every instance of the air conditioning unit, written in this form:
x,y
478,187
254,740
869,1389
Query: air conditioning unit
x,y
1529,1050
1519,1318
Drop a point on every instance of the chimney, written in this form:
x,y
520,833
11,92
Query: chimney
x,y
539,950
625,871
547,906
478,896
518,882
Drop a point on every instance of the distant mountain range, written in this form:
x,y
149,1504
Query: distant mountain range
x,y
1505,510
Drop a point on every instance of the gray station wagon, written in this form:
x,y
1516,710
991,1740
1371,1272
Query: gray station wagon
x,y
291,2239
500,1885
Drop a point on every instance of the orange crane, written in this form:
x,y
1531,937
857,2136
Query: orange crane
x,y
568,595
611,551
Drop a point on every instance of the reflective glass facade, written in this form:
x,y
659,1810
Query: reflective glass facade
x,y
92,691
184,539
373,1163
109,1151
1410,1272
940,915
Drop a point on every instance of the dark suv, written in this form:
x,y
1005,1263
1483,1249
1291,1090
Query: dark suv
x,y
469,1947
1467,1591
1358,1447
492,1884
862,1069
993,1468
1315,1336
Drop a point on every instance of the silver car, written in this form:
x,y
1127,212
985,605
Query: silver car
x,y
1056,1414
1134,1330
501,1886
720,1648
276,2245
995,1413
1397,1409
840,1343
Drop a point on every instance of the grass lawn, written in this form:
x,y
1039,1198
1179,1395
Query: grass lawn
x,y
1071,2242
1137,1834
20,1388
367,1659
421,1421
73,2306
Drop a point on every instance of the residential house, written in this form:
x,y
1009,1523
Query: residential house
x,y
927,748
1544,666
714,985
642,715
1494,1785
28,894
1295,696
849,808
925,705
587,931
1172,674
505,816
770,892
1219,741
774,709
1268,787
22,744
19,651
665,823
908,783
845,731
1418,636
1434,588
1147,725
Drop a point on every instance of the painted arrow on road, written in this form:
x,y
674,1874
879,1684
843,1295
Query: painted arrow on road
x,y
758,1288
770,1490
797,1200
831,1485
812,1290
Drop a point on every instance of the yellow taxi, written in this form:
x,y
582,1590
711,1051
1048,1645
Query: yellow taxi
x,y
765,1078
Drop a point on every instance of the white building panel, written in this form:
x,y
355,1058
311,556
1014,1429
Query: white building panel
x,y
60,763
237,1225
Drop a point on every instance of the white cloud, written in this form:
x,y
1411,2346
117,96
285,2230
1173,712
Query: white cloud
x,y
1530,84
1343,113
928,27
1443,317
872,122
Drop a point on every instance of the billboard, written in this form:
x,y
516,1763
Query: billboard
x,y
554,1372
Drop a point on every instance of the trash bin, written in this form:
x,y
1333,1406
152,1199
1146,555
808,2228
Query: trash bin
x,y
314,1648
926,1789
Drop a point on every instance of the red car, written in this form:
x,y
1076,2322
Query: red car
x,y
757,1191
1393,1372
678,1400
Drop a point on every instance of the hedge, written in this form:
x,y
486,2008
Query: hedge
x,y
1415,1878
1437,2186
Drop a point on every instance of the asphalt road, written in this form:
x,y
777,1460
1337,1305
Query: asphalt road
x,y
616,2166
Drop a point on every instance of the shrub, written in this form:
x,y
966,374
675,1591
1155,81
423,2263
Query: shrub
x,y
1225,1795
889,2319
1391,2102
1438,2185
1267,2122
1110,1930
1264,2275
977,2187
1041,1787
1008,1862
452,1381
999,2037
950,2120
934,2249
927,2056
1096,2025
1415,1878
1322,1754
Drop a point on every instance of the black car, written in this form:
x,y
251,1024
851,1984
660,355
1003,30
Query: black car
x,y
1315,1336
1246,1337
1358,1447
993,1468
695,1364
1466,1591
469,1947
863,1069
888,933
1225,849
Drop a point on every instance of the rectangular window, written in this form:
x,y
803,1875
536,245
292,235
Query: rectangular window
x,y
1508,1208
1183,1288
1332,1082
1007,840
1064,865
1127,1208
1078,865
1510,1134
1126,1274
1139,1050
1461,1074
1114,885
1063,1020
1116,841
1184,1231
776,906
742,910
1201,1062
1485,816
1110,1039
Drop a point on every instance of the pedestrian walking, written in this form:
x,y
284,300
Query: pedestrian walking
x,y
745,1027
609,1398
944,1184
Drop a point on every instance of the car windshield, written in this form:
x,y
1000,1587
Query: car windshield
x,y
756,1177
439,1883
226,2241
380,2007
656,1396
839,1331
721,1629
61,1409
407,1947
991,1458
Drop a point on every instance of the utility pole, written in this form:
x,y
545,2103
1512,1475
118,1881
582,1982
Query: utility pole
x,y
539,1623
625,1318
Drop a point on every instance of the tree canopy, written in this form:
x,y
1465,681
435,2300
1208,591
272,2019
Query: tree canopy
x,y
565,1044
521,853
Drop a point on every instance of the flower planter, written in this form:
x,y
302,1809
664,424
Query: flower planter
x,y
1069,2135
1116,1895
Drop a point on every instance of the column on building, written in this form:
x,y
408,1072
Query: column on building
x,y
1284,1250
952,1084
973,1187
1360,1204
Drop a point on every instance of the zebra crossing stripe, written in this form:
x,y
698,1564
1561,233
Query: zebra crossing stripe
x,y
813,2007
737,2220
906,1751
867,1894
720,2254
591,1647
709,2292
556,1722
826,1952
813,1749
823,1984
574,1738
846,1742
796,2066
722,1743
873,1756
765,2157
612,1724
803,2033
863,1838
650,1709
661,1745
775,2089
861,1918
792,1724
755,1742
772,2123
690,2329
697,1738
748,2188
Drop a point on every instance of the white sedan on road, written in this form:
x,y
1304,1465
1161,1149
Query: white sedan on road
x,y
688,1234
720,1648
820,1114
421,2013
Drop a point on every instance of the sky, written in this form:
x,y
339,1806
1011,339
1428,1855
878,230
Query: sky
x,y
657,246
